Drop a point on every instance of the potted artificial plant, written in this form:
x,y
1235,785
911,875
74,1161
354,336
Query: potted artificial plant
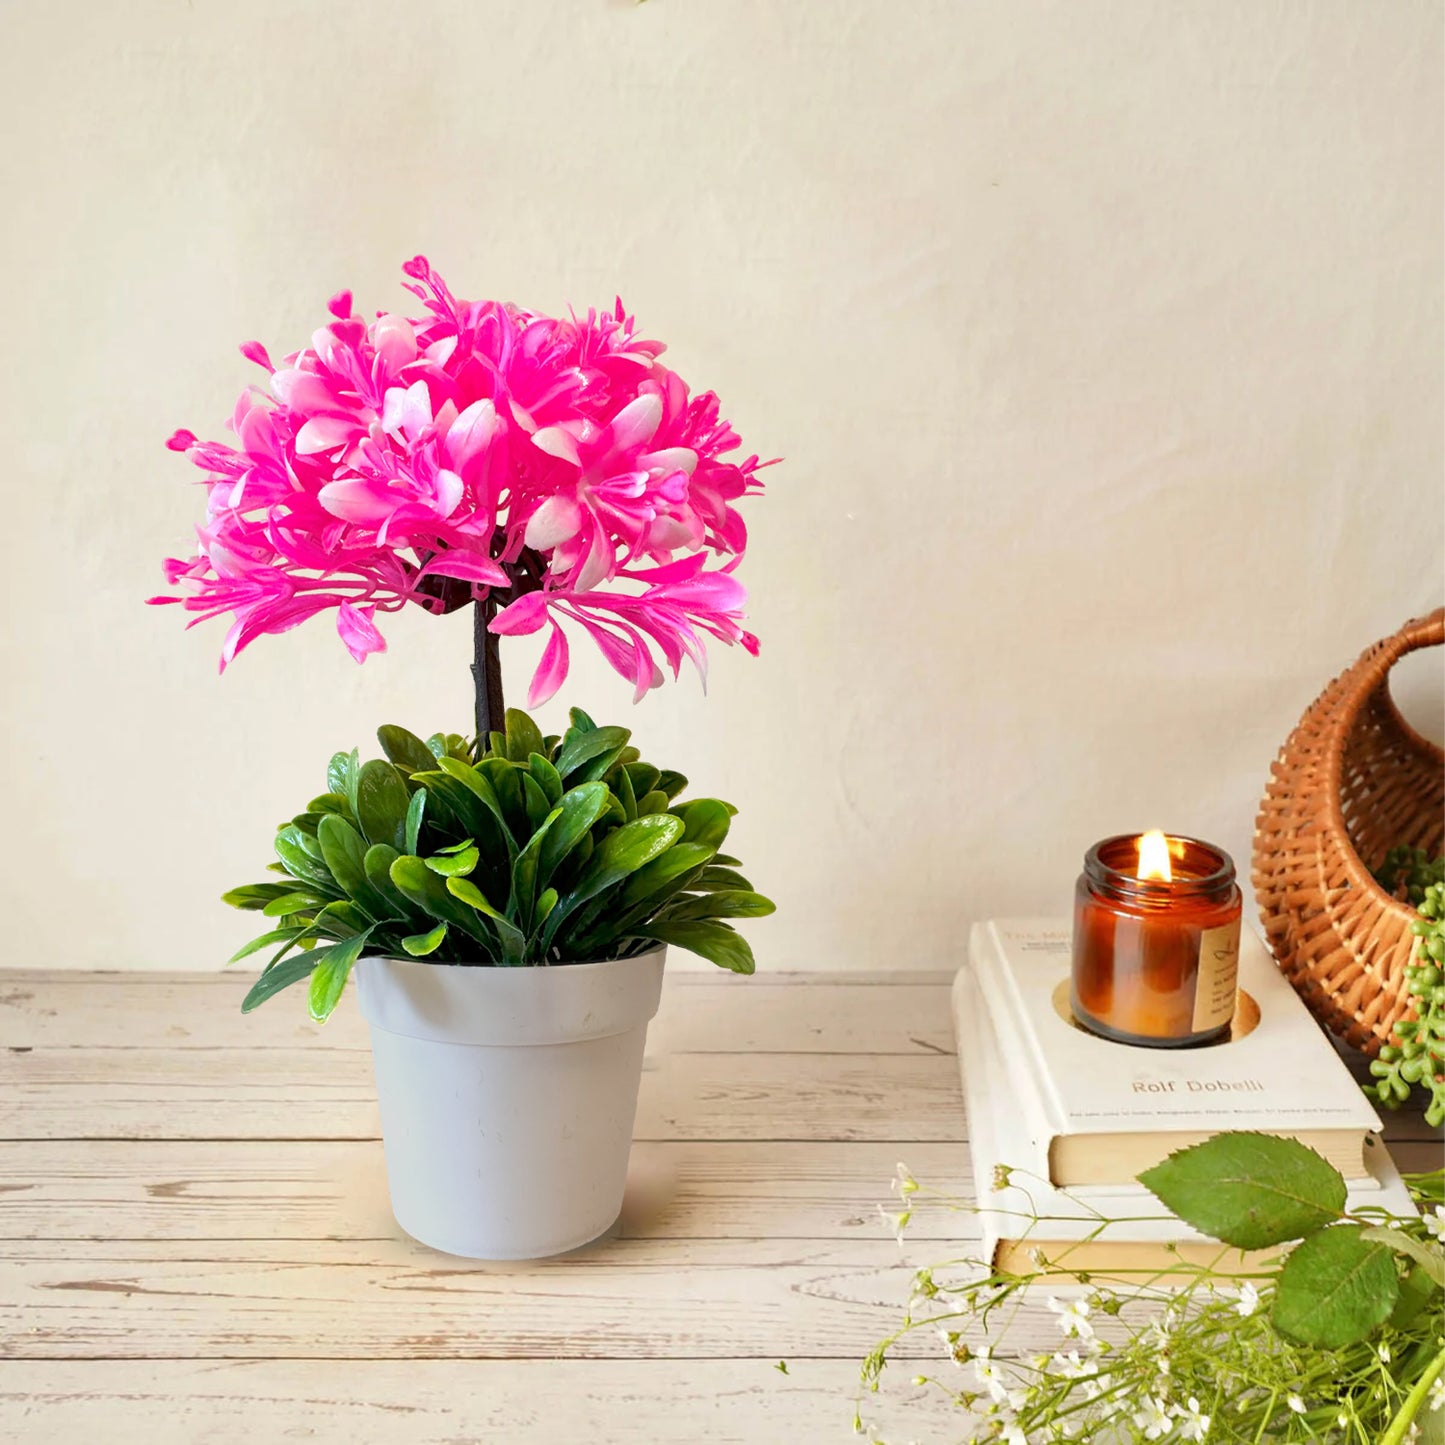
x,y
506,902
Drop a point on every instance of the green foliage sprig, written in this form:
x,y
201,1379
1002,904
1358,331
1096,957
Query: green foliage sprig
x,y
535,850
1418,1060
1338,1339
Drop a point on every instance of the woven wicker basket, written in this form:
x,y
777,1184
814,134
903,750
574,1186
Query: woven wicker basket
x,y
1354,780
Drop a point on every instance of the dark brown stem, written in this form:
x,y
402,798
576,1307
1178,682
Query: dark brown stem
x,y
487,673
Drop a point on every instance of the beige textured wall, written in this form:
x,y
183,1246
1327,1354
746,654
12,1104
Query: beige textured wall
x,y
1103,341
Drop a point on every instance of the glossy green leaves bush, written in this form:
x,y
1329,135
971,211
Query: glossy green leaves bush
x,y
542,850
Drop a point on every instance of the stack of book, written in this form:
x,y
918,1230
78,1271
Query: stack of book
x,y
1070,1120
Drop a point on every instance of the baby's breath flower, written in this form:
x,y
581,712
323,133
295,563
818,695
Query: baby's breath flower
x,y
1193,1422
1437,1393
1435,1223
1073,1317
1383,1350
897,1220
904,1182
1001,1176
1154,1418
1295,1404
1071,1367
1248,1300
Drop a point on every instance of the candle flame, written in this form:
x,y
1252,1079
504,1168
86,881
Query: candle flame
x,y
1154,857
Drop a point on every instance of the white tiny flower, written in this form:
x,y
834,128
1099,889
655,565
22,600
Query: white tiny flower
x,y
1037,1257
1193,1423
904,1182
1437,1393
1435,1223
1154,1419
1073,1317
1248,1300
1295,1404
1013,1434
897,1220
1383,1350
1070,1367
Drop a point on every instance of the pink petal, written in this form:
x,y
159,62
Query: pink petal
x,y
358,631
324,434
636,422
254,351
395,341
557,443
526,614
472,431
181,441
466,566
340,305
449,491
301,390
551,670
407,412
557,519
358,501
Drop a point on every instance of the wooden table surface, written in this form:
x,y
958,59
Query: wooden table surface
x,y
196,1245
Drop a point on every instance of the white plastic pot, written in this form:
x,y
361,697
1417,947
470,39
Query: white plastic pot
x,y
507,1097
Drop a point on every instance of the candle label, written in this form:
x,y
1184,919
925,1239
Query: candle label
x,y
1218,977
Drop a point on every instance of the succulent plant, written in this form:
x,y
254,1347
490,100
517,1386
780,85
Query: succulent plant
x,y
520,850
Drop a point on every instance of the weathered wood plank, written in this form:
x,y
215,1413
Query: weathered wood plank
x,y
617,1299
328,1093
700,1013
449,1402
265,1189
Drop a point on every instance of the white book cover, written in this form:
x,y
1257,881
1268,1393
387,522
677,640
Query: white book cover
x,y
1006,1214
1281,1077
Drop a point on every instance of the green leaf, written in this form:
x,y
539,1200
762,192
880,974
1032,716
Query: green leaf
x,y
653,802
671,783
716,880
344,850
506,781
535,801
341,919
405,749
278,976
1335,1288
706,819
725,903
330,803
576,813
654,881
513,943
480,787
300,864
338,773
621,785
546,902
427,891
421,944
643,777
455,865
333,968
620,853
1249,1190
716,942
1429,1257
415,811
290,903
381,803
580,749
255,896
523,738
276,935
1417,1291
580,721
378,861
547,778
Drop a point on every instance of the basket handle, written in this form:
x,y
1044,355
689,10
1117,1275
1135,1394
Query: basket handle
x,y
1418,632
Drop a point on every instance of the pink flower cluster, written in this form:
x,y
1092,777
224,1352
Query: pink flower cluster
x,y
550,465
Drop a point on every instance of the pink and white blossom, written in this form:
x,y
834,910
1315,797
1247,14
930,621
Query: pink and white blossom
x,y
552,468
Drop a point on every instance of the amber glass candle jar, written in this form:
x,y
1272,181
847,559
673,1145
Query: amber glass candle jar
x,y
1156,941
